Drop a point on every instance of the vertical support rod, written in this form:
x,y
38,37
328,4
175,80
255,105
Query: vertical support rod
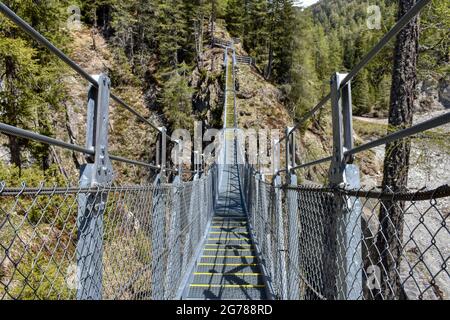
x,y
179,159
347,211
173,243
294,232
353,207
275,156
292,206
96,173
163,153
196,162
280,262
287,154
290,150
293,147
158,150
347,115
337,164
158,227
234,87
281,248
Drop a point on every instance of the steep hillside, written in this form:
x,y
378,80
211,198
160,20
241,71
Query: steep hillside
x,y
259,102
129,137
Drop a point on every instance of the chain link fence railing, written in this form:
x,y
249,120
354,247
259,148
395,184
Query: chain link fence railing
x,y
351,244
137,242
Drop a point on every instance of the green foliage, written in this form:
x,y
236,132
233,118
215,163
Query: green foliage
x,y
303,89
434,55
266,29
30,75
171,32
281,38
176,98
234,17
43,278
38,221
57,212
340,40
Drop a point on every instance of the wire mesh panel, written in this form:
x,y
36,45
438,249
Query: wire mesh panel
x,y
353,244
55,246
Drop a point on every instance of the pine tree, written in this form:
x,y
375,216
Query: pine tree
x,y
171,32
303,89
360,84
17,70
234,17
30,84
280,29
256,33
322,51
176,98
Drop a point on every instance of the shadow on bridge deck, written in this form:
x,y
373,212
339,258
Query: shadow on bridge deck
x,y
228,267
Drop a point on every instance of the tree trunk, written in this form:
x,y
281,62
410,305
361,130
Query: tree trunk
x,y
14,149
396,162
10,116
269,64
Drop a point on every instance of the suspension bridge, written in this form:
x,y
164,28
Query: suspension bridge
x,y
230,231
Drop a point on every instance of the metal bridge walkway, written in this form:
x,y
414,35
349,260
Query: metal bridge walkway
x,y
228,267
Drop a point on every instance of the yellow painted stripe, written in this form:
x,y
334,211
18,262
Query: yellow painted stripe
x,y
228,264
228,249
225,232
230,239
240,245
229,222
227,274
234,226
234,257
228,285
218,227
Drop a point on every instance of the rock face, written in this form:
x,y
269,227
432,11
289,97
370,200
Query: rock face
x,y
259,103
433,94
128,137
207,81
444,92
425,239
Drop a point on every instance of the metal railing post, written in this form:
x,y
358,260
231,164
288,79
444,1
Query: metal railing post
x,y
280,255
179,158
234,87
163,154
292,207
97,172
158,226
346,212
196,162
158,150
290,150
173,244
